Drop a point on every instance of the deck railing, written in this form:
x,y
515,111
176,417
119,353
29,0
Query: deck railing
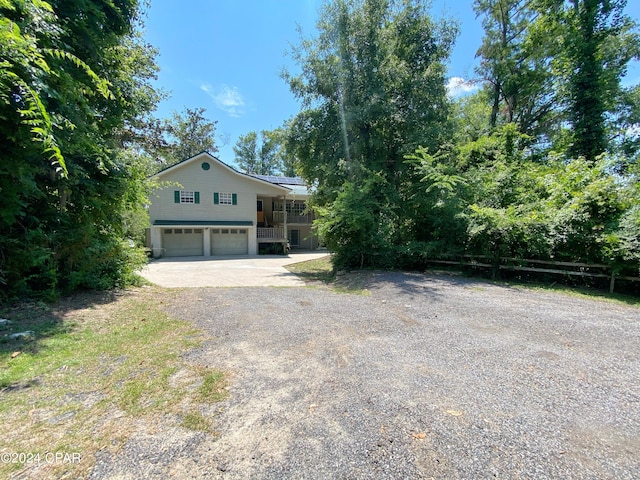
x,y
271,233
278,217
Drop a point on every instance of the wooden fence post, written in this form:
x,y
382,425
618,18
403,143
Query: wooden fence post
x,y
613,282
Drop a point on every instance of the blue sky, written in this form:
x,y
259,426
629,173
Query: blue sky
x,y
227,55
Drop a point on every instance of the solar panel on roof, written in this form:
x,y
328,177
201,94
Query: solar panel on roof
x,y
281,180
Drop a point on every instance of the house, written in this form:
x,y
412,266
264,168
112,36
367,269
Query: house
x,y
205,208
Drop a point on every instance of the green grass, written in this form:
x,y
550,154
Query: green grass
x,y
197,421
321,271
213,387
618,298
95,367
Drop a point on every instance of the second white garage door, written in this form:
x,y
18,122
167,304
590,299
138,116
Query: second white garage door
x,y
229,241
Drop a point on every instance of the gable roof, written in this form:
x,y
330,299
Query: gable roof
x,y
211,158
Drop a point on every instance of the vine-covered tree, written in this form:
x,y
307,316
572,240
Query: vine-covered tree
x,y
599,43
549,63
75,78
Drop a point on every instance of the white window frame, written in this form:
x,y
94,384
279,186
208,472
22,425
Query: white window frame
x,y
225,198
187,196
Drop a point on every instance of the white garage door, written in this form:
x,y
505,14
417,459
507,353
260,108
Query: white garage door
x,y
182,242
229,241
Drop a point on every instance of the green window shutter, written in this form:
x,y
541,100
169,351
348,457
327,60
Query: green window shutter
x,y
234,198
176,196
216,198
196,197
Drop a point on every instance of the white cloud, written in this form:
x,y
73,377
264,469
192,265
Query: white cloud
x,y
457,86
226,98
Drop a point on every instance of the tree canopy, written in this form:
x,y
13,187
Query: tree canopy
x,y
75,79
261,154
541,163
188,134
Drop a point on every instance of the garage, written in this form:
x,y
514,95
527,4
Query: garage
x,y
182,242
229,241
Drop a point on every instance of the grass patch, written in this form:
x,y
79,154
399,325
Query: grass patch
x,y
318,270
213,387
618,298
321,271
197,421
575,291
95,369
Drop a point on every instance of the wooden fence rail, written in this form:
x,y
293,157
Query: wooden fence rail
x,y
539,266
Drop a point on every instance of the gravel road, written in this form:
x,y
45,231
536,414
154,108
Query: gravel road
x,y
425,377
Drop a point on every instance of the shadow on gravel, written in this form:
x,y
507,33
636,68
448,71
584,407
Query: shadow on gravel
x,y
421,284
410,284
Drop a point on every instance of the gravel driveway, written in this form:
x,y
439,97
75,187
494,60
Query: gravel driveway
x,y
426,377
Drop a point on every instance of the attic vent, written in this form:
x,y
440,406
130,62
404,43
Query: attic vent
x,y
206,166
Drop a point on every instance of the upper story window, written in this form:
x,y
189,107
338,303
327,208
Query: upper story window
x,y
296,208
224,198
186,196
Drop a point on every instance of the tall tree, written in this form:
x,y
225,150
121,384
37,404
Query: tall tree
x,y
372,87
599,44
71,88
260,154
550,63
515,58
246,150
372,90
189,133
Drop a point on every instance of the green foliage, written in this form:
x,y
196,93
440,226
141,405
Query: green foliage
x,y
554,69
189,133
353,226
75,80
399,181
264,159
514,64
374,84
373,88
514,231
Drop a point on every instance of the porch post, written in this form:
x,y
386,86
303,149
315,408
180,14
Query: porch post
x,y
284,214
